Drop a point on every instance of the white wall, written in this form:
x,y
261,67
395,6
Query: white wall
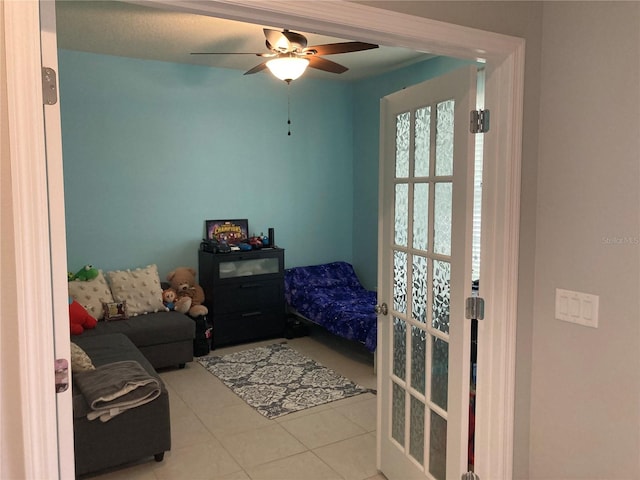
x,y
585,401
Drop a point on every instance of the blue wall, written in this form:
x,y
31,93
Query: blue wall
x,y
152,149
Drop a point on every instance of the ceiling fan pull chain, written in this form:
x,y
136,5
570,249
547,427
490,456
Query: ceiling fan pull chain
x,y
289,107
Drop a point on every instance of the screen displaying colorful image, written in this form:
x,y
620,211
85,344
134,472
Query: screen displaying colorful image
x,y
227,231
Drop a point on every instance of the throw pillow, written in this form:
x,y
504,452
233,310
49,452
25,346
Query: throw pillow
x,y
115,310
140,288
80,361
91,293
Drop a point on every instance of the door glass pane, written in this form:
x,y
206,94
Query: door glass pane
x,y
402,144
442,218
441,295
423,141
399,348
397,414
416,430
444,138
401,215
400,281
438,447
421,216
419,291
418,359
439,372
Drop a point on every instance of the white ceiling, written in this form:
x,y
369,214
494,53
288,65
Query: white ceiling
x,y
129,30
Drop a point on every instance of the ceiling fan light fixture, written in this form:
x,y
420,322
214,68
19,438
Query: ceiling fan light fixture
x,y
288,68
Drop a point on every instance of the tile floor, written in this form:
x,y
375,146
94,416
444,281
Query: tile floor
x,y
216,436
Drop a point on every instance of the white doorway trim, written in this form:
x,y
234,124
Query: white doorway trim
x,y
501,202
32,423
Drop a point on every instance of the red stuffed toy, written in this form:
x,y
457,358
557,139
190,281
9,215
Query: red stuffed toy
x,y
79,318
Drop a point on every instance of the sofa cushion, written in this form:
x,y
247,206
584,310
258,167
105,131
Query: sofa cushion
x,y
151,329
80,361
91,294
140,288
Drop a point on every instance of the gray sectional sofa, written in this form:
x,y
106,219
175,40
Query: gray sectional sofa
x,y
155,340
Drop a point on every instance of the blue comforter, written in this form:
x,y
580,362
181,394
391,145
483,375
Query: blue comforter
x,y
331,295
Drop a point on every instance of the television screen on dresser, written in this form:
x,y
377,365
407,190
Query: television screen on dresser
x,y
227,231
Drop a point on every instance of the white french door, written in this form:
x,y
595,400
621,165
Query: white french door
x,y
425,223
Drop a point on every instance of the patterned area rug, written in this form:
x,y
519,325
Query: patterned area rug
x,y
277,380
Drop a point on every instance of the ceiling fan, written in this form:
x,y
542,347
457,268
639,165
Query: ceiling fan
x,y
289,55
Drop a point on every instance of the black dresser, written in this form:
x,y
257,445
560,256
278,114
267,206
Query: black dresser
x,y
244,292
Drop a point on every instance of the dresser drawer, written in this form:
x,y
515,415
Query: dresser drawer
x,y
242,327
248,296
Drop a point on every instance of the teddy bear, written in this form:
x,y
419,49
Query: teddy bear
x,y
183,280
79,318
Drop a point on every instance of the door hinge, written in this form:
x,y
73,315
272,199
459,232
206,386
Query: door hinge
x,y
474,308
49,86
479,121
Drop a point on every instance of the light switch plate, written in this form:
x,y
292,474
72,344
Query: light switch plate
x,y
577,307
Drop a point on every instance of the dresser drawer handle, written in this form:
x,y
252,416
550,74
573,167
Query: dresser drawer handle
x,y
251,314
250,285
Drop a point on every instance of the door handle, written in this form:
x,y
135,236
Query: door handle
x,y
381,309
61,374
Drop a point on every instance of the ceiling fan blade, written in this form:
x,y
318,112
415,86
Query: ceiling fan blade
x,y
343,47
230,53
326,65
257,68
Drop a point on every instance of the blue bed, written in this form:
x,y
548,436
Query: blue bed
x,y
331,295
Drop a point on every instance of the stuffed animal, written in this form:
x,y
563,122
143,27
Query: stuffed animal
x,y
183,279
85,274
183,303
79,318
169,297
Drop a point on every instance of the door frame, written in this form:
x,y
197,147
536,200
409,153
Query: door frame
x,y
41,414
501,199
